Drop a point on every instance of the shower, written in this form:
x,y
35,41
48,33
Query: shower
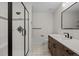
x,y
14,29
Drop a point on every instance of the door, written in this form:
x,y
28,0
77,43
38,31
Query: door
x,y
20,29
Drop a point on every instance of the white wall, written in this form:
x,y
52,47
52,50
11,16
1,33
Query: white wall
x,y
43,20
3,29
73,32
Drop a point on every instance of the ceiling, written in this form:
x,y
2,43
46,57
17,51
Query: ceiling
x,y
45,6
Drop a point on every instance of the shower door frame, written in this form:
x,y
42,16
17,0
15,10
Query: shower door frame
x,y
9,28
10,40
25,9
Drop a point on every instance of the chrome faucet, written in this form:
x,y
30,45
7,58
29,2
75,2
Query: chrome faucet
x,y
66,35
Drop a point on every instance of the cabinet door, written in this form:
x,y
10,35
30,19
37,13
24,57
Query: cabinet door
x,y
53,51
53,47
49,42
59,50
68,52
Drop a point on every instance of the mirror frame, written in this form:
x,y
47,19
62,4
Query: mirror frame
x,y
62,17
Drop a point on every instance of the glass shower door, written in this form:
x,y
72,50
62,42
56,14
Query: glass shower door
x,y
14,29
3,29
18,29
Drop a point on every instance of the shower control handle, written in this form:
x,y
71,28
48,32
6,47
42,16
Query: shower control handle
x,y
23,32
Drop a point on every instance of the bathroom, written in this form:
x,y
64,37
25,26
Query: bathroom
x,y
29,28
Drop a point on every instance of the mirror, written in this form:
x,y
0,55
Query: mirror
x,y
70,17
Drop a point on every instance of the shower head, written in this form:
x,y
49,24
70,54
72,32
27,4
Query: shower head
x,y
18,13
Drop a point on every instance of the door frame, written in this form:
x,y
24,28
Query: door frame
x,y
9,28
25,9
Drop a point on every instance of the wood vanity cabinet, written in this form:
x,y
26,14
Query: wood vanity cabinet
x,y
58,49
68,52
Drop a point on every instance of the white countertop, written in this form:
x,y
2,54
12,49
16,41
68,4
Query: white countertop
x,y
72,44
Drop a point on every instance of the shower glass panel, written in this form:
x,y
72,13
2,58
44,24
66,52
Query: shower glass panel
x,y
27,32
20,29
3,29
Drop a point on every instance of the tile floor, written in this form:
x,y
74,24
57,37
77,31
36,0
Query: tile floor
x,y
40,50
